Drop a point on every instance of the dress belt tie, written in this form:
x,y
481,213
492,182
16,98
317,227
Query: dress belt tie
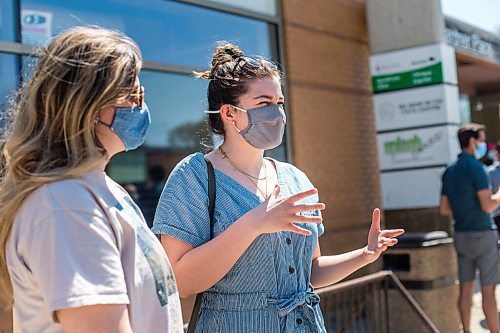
x,y
306,299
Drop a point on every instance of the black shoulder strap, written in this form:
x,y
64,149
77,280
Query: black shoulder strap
x,y
211,195
211,208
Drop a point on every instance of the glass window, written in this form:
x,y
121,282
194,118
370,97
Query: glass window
x,y
28,64
129,167
7,21
9,72
267,7
167,31
176,103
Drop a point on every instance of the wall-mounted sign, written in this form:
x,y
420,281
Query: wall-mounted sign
x,y
477,41
417,148
469,41
437,104
417,116
414,67
36,27
411,189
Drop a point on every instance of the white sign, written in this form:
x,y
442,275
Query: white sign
x,y
413,67
437,104
36,27
418,147
411,189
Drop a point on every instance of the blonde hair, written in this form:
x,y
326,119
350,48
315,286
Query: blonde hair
x,y
52,135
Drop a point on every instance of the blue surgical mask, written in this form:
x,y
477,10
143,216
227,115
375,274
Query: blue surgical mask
x,y
130,125
480,149
491,155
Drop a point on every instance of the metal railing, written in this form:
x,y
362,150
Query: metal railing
x,y
363,305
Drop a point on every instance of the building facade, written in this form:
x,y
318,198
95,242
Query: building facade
x,y
324,49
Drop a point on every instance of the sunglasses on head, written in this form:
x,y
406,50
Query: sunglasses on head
x,y
252,62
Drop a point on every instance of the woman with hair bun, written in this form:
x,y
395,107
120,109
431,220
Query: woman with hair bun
x,y
76,254
259,267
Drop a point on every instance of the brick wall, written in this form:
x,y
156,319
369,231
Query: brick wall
x,y
331,114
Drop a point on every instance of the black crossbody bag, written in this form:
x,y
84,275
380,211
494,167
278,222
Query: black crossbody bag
x,y
211,208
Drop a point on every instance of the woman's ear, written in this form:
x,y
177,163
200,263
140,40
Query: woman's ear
x,y
106,115
227,113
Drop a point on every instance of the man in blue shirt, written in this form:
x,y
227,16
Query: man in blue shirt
x,y
466,195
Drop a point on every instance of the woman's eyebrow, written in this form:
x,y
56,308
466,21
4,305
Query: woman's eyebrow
x,y
264,96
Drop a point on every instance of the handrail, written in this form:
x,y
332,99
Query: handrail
x,y
386,279
335,288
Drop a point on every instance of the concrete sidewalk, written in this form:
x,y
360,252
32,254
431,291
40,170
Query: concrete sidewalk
x,y
478,322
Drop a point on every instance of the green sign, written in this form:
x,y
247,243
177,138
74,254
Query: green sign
x,y
415,78
402,146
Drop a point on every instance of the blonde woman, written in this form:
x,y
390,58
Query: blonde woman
x,y
76,254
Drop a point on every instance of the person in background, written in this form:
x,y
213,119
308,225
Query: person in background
x,y
76,254
132,191
150,194
466,196
494,172
489,158
259,268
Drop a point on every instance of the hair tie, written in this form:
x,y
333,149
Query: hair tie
x,y
232,54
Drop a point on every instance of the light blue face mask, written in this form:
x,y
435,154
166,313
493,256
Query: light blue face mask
x,y
491,155
480,150
131,125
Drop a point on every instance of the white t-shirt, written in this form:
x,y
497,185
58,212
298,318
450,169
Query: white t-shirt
x,y
83,241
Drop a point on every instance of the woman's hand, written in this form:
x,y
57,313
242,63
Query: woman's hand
x,y
274,215
379,240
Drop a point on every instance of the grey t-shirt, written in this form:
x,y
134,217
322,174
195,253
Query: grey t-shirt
x,y
81,242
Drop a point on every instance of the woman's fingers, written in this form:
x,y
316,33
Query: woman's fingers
x,y
305,207
385,240
392,232
298,230
384,243
302,195
287,211
375,220
393,242
307,219
382,247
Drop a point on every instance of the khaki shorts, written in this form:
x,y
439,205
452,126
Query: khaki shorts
x,y
478,250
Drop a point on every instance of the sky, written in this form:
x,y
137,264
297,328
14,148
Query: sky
x,y
484,14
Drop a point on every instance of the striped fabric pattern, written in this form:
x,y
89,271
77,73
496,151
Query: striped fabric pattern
x,y
268,289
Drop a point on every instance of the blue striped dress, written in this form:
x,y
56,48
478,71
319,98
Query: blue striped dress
x,y
268,289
